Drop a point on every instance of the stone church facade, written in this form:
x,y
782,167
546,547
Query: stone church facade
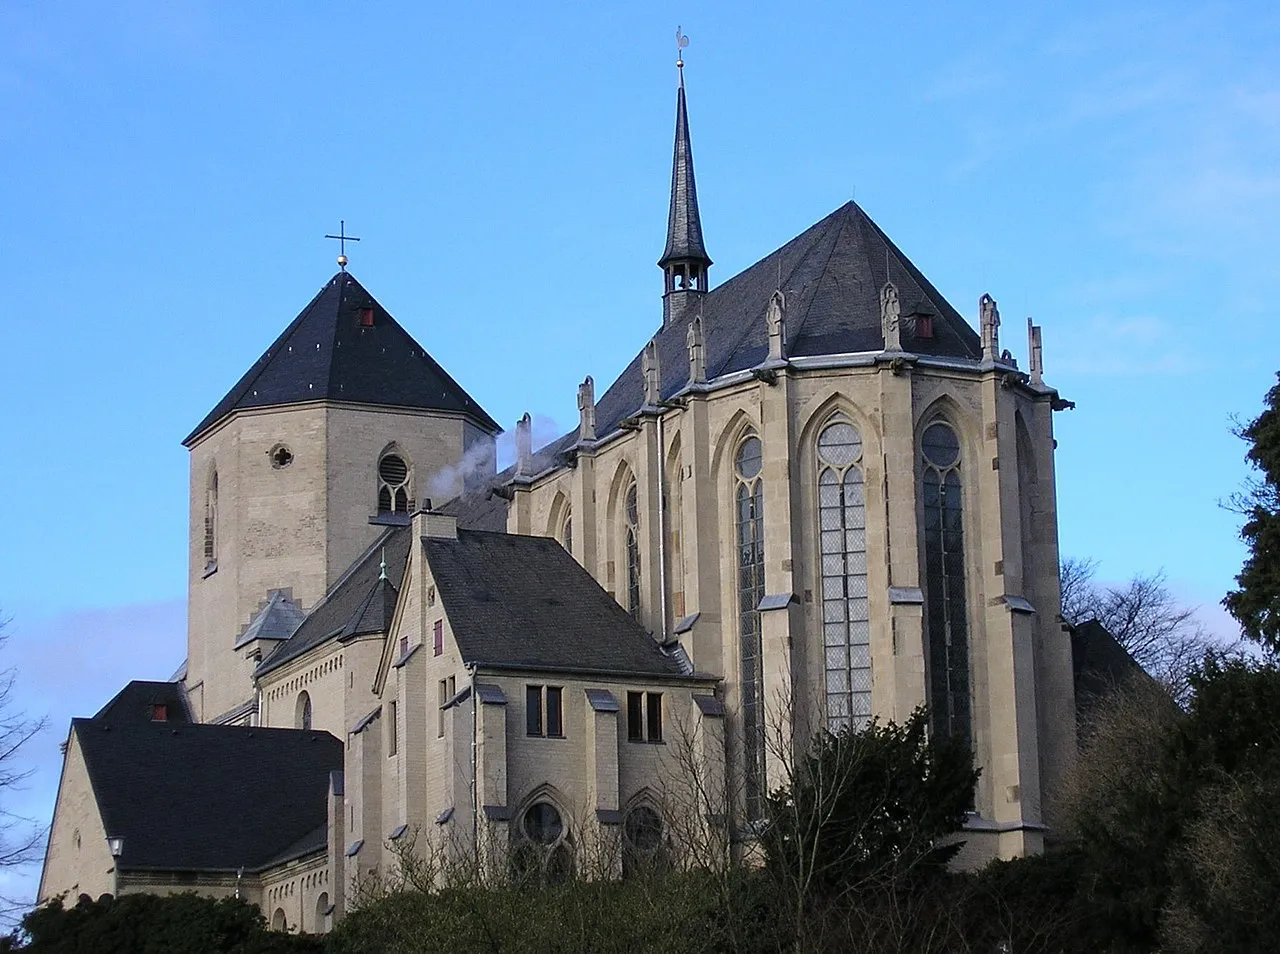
x,y
816,496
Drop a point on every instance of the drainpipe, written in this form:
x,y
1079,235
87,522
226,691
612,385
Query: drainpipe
x,y
662,524
475,748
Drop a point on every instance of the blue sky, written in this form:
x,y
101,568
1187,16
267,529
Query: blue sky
x,y
169,170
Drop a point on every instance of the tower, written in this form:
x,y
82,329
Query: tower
x,y
684,261
339,429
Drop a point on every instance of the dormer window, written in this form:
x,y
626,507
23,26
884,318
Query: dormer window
x,y
159,712
393,484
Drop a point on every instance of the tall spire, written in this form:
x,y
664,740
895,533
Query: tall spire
x,y
685,261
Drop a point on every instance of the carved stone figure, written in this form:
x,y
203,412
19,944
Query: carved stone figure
x,y
890,317
775,317
697,351
652,374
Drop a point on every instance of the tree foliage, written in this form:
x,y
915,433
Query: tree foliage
x,y
21,839
1255,602
150,924
1142,615
870,805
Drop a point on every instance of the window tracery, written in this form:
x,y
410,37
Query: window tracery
x,y
394,492
749,521
211,524
946,612
842,540
633,551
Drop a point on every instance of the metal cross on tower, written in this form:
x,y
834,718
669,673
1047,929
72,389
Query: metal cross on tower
x,y
343,238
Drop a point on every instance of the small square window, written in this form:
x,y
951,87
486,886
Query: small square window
x,y
533,710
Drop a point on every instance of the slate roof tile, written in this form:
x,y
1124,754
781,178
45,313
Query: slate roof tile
x,y
523,602
208,797
327,353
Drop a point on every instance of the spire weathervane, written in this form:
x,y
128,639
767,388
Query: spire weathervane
x,y
681,42
343,238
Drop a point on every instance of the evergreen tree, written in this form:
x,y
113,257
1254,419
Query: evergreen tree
x,y
1256,601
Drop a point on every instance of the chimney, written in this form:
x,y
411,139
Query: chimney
x,y
431,524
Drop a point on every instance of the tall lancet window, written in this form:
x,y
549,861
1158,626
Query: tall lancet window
x,y
633,551
842,533
749,514
946,615
211,524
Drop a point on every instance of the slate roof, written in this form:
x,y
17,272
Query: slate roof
x,y
327,354
136,703
277,618
523,602
1099,663
684,224
831,275
358,603
208,797
479,509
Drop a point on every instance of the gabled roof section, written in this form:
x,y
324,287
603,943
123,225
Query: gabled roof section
x,y
360,601
332,352
523,602
208,797
277,619
136,703
831,275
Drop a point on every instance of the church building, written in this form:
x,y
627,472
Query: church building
x,y
816,496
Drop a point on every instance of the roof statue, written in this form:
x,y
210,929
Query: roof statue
x,y
697,351
775,318
890,315
990,318
652,371
587,410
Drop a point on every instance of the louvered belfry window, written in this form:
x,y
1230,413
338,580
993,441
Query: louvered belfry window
x,y
211,523
749,519
393,484
633,552
842,539
946,613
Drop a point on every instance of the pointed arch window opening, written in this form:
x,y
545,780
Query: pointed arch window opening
x,y
842,540
946,610
394,490
211,525
633,550
749,525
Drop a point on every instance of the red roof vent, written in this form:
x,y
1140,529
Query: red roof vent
x,y
924,326
366,316
159,712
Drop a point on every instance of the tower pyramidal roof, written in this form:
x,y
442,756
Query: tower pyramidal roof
x,y
684,224
346,347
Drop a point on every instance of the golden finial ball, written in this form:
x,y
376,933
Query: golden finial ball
x,y
342,260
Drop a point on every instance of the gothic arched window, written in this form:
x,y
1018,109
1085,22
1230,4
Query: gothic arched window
x,y
303,714
394,493
749,520
946,614
566,529
633,552
544,849
842,540
211,524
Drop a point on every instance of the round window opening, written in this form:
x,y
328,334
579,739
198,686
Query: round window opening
x,y
281,457
393,470
749,458
839,444
940,445
643,828
542,824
